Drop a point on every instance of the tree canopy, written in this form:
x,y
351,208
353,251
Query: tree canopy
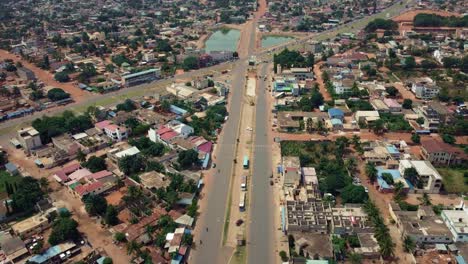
x,y
95,164
63,229
57,94
433,20
380,23
25,198
354,194
187,158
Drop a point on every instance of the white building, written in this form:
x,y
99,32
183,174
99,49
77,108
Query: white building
x,y
29,138
457,223
115,132
300,74
424,88
427,175
181,128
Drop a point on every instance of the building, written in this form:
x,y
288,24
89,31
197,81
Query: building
x,y
141,77
180,128
423,225
335,113
424,88
392,105
29,138
14,249
34,224
320,218
300,74
430,116
427,179
291,171
366,117
457,223
116,133
441,153
154,180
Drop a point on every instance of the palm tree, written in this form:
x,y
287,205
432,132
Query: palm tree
x,y
426,200
355,258
80,156
133,246
351,164
309,125
398,190
44,183
371,172
387,247
356,140
408,244
149,229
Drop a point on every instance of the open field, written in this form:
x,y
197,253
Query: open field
x,y
453,180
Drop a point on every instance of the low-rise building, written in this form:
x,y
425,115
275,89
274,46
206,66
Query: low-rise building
x,y
366,117
423,225
424,88
29,138
34,224
141,77
441,153
427,179
457,223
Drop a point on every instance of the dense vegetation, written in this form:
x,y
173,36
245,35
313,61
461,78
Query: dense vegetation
x,y
207,125
433,20
288,59
331,168
68,122
380,23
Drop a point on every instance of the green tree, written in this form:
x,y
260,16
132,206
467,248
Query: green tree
x,y
284,256
354,194
133,247
371,172
107,260
111,215
80,156
120,237
407,104
187,158
447,138
61,77
378,126
132,164
355,258
95,204
95,164
408,244
25,198
190,63
63,229
409,63
56,94
416,138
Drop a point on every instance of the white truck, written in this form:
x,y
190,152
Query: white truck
x,y
244,183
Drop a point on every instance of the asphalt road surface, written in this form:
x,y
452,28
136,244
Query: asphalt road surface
x,y
260,236
211,250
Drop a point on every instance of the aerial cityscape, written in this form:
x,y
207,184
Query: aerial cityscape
x,y
233,132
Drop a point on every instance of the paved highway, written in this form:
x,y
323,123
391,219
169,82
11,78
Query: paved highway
x,y
211,249
260,247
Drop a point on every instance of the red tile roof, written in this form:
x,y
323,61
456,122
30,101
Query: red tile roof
x,y
87,188
101,125
169,135
100,174
64,172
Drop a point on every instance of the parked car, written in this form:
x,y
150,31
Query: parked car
x,y
239,222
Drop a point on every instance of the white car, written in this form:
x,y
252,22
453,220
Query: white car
x,y
366,189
